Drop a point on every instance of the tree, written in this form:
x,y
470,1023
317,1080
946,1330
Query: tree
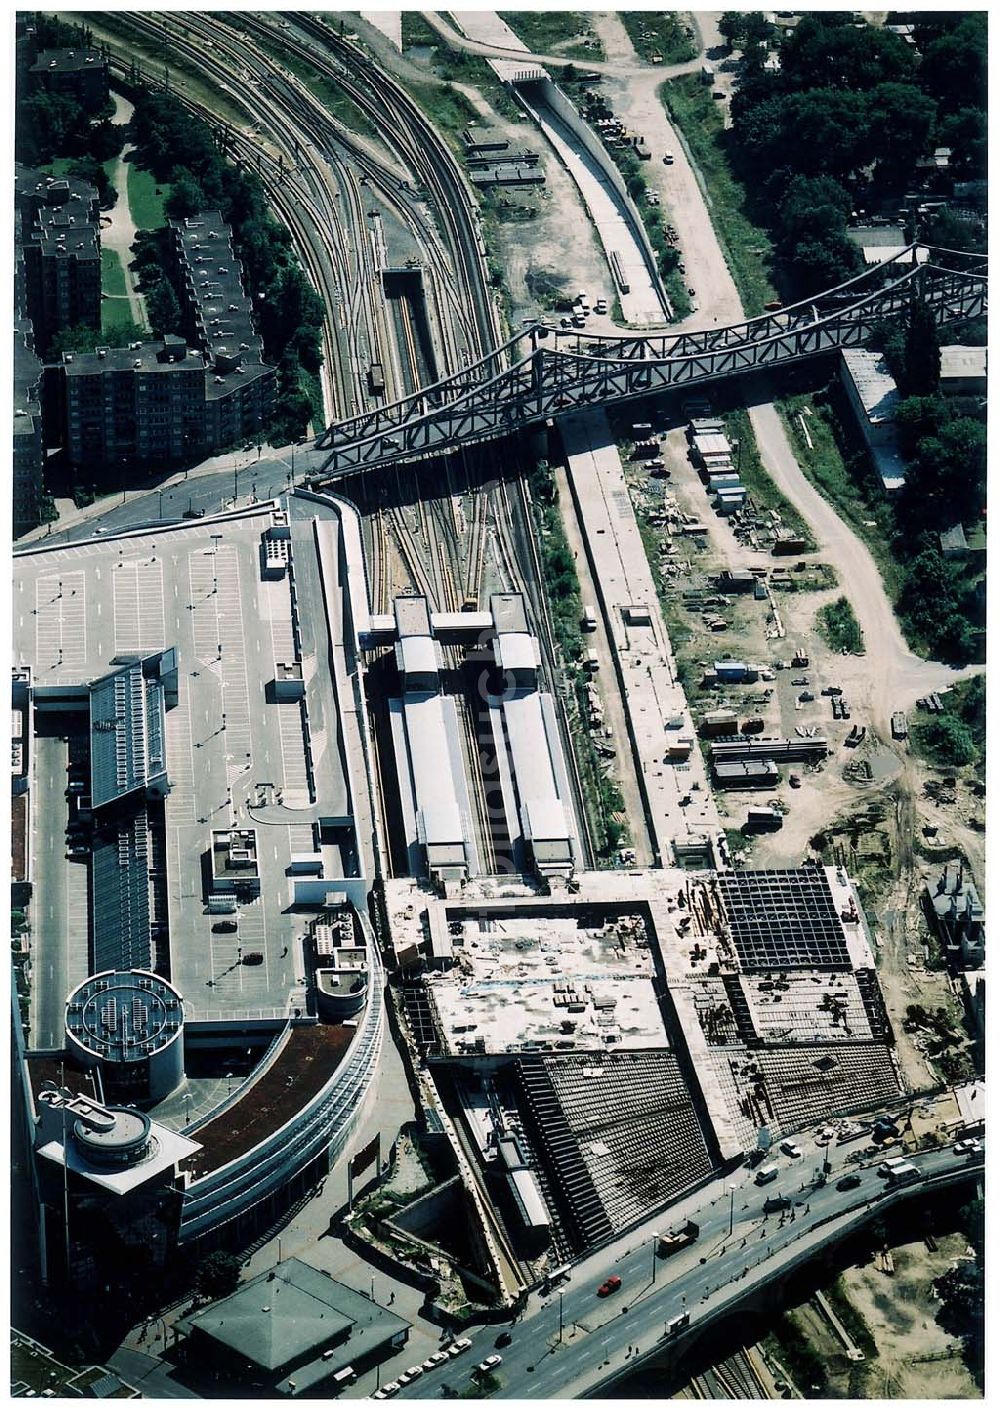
x,y
917,417
79,338
950,740
826,50
47,125
965,133
821,262
921,352
758,31
954,67
812,205
163,308
87,168
825,131
186,195
307,344
731,24
902,119
947,231
217,1276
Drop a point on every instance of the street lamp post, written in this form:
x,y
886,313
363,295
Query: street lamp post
x,y
560,1316
732,1206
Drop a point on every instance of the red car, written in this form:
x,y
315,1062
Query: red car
x,y
608,1288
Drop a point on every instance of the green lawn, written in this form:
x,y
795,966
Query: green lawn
x,y
112,274
58,166
117,327
747,248
146,198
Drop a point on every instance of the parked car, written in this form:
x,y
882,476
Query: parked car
x,y
387,1390
850,1180
459,1347
608,1287
225,926
967,1146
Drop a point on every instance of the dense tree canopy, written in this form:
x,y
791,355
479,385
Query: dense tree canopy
x,y
856,104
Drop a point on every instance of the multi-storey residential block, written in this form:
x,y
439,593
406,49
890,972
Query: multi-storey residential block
x,y
28,453
80,74
61,242
142,404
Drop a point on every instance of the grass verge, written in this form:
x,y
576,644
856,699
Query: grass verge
x,y
848,483
146,198
602,795
313,388
747,248
758,482
838,625
455,65
112,274
337,103
547,31
659,35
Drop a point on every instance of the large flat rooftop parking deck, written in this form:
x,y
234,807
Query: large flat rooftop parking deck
x,y
237,756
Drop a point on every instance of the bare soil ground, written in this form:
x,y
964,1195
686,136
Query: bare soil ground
x,y
916,1358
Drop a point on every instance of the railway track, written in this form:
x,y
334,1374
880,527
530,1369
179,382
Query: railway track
x,y
732,1378
317,194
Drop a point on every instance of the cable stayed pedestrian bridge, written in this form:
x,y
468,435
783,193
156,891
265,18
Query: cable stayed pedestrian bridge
x,y
543,372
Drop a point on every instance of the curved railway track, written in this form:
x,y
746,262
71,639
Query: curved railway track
x,y
320,196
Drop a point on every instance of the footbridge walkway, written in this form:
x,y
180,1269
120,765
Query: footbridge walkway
x,y
543,371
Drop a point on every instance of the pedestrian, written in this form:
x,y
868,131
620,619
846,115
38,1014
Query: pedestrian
x,y
392,1297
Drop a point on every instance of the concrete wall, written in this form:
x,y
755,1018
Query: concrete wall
x,y
585,135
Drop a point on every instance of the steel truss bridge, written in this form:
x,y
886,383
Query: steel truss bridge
x,y
544,372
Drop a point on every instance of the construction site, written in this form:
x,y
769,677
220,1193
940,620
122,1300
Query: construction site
x,y
594,1055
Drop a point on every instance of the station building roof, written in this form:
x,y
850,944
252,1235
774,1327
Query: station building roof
x,y
509,615
283,1321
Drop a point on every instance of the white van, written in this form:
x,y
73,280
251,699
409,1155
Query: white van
x,y
765,1174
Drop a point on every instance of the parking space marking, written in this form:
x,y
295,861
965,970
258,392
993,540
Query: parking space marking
x,y
61,621
180,762
138,605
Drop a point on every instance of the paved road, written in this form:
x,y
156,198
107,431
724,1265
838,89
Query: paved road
x,y
605,1339
606,682
557,61
210,489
